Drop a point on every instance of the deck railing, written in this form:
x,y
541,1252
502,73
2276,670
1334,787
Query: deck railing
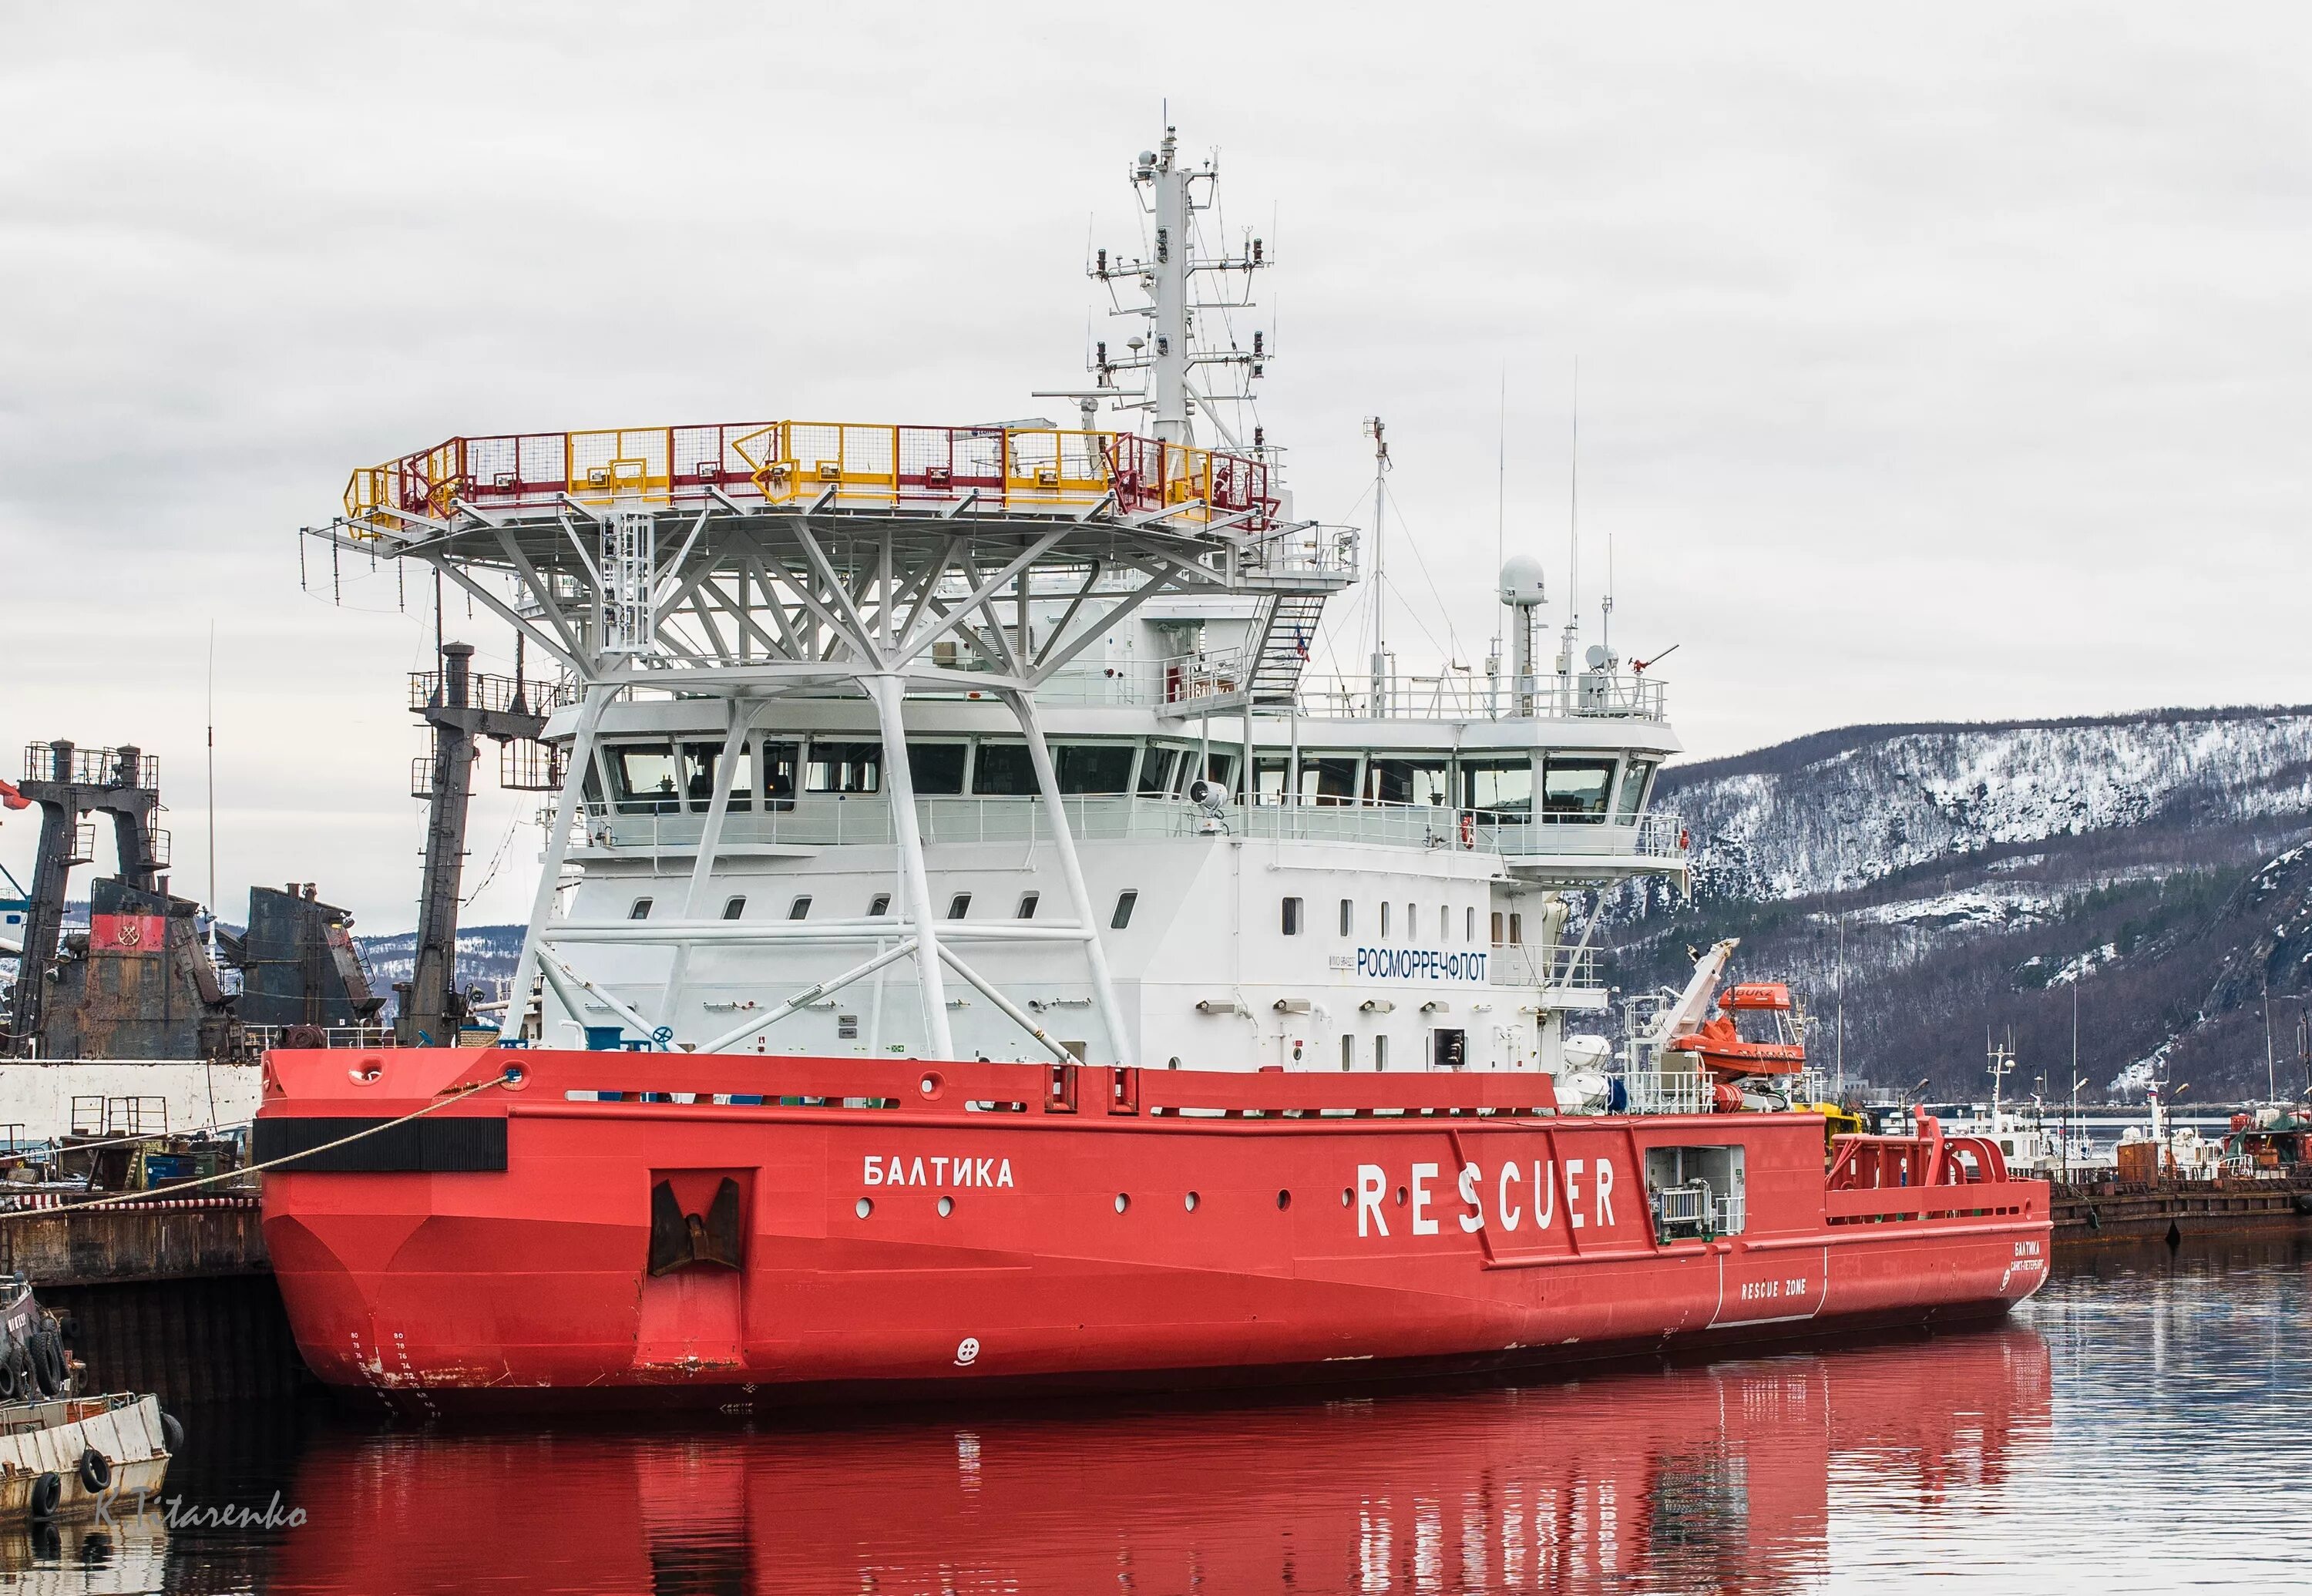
x,y
831,820
782,462
1466,696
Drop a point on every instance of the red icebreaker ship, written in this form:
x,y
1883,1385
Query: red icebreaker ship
x,y
978,946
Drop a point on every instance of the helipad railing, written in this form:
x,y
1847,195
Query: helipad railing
x,y
784,462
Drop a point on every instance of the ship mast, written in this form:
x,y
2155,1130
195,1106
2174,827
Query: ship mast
x,y
1377,432
1174,352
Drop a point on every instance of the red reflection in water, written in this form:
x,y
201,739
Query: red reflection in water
x,y
1686,1479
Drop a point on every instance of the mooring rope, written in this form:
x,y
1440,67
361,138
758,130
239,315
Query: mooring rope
x,y
164,1192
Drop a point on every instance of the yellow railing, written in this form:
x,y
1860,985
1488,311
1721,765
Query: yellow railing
x,y
787,462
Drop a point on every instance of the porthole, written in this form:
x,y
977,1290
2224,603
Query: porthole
x,y
946,1206
1283,1201
1193,1199
1122,1202
864,1207
1400,1197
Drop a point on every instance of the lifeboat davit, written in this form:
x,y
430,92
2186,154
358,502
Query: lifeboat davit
x,y
1730,1055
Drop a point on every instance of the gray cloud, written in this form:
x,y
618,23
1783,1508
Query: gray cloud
x,y
1935,361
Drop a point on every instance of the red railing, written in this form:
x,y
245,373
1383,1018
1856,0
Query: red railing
x,y
784,461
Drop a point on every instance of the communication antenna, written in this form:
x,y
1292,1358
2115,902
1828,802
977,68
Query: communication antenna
x,y
2271,1059
1378,433
1573,531
1501,531
1606,608
212,816
1838,1042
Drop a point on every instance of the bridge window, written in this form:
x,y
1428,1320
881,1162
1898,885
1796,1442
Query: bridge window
x,y
1003,770
845,768
1328,781
641,911
1219,769
1028,901
1157,768
1499,786
959,906
1102,769
1291,917
1575,788
799,909
643,779
1389,780
936,768
1348,916
1125,901
779,774
699,761
1636,776
734,907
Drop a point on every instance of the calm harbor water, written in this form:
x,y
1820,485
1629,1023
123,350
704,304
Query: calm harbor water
x,y
2138,1426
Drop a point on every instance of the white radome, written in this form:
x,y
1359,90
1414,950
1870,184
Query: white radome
x,y
1522,584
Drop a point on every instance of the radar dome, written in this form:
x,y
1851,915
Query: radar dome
x,y
1521,581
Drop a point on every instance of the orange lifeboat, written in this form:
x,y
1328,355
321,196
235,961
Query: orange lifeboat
x,y
1730,1054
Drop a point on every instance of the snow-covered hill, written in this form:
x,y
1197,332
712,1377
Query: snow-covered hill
x,y
1982,875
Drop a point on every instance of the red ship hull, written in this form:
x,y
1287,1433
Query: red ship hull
x,y
893,1229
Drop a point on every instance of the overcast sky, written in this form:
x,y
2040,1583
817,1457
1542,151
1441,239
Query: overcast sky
x,y
1936,362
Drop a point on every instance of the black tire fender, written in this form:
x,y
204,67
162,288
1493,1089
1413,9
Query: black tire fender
x,y
95,1472
48,1495
172,1433
2095,1220
48,1365
2304,1204
8,1391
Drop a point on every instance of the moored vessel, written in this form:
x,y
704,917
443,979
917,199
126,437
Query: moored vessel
x,y
63,1454
974,947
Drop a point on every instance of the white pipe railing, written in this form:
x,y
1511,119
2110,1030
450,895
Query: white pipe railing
x,y
818,820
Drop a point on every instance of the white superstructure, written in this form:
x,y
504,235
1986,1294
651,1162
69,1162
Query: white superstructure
x,y
1128,826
